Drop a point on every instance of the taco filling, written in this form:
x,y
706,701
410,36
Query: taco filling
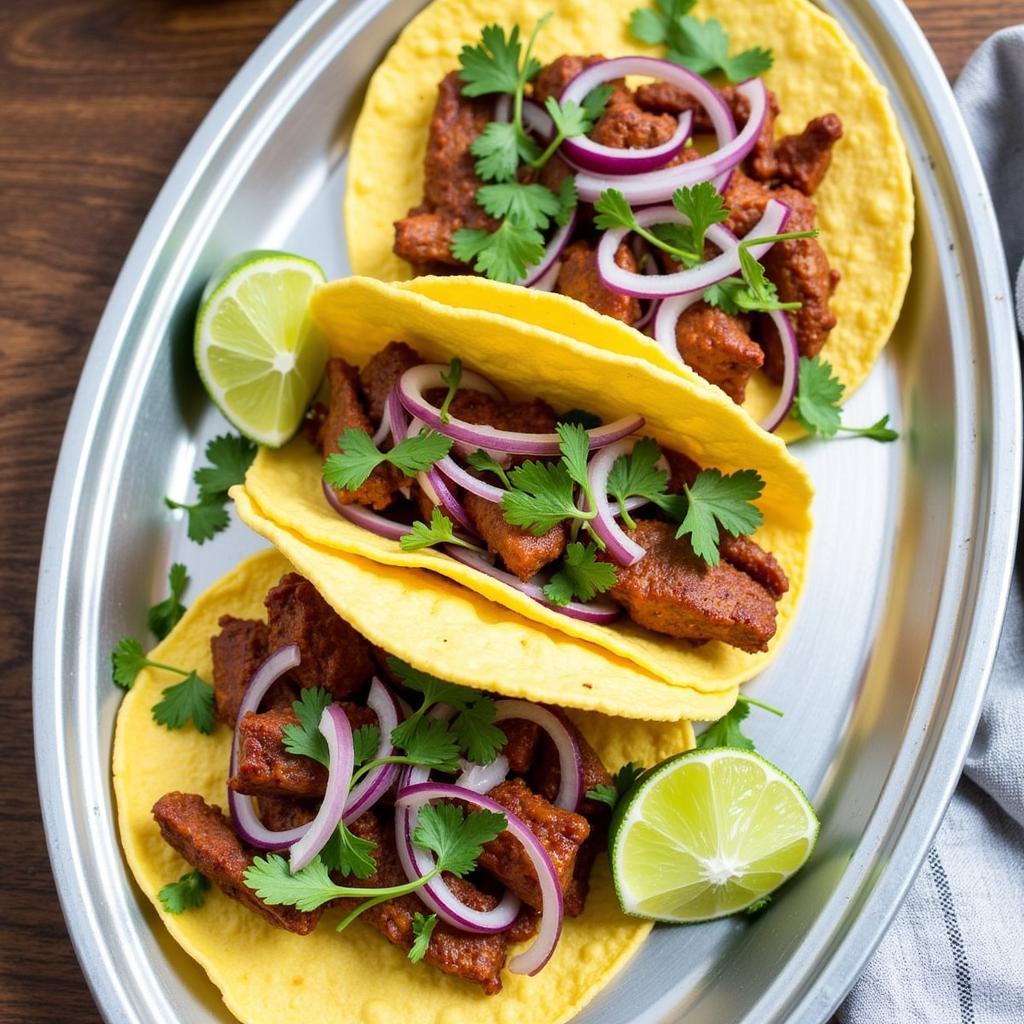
x,y
337,752
670,206
593,520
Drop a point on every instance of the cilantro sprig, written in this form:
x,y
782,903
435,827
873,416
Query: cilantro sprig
x,y
728,732
620,785
701,46
351,467
189,700
453,378
230,456
716,502
816,406
305,738
187,893
422,929
455,838
499,64
441,530
581,576
166,614
637,475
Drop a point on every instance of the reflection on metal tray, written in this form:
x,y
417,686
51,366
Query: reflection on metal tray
x,y
882,679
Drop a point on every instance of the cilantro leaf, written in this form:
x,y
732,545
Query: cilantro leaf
x,y
581,575
727,295
726,732
440,531
187,893
476,732
533,206
365,743
308,889
348,853
456,839
502,255
717,502
704,47
575,447
568,200
493,65
191,699
758,905
428,742
350,468
230,456
594,104
880,431
486,463
422,928
434,690
497,151
305,738
818,394
452,377
570,118
622,782
748,64
702,205
654,26
542,497
205,518
128,660
165,614
613,211
637,475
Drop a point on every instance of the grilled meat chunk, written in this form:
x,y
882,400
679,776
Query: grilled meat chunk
x,y
382,372
560,832
477,958
554,77
672,591
204,837
626,126
346,410
333,654
718,347
802,160
522,552
520,744
579,279
748,556
280,813
547,774
266,768
424,236
238,650
533,417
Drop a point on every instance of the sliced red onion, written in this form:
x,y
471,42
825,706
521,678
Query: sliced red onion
x,y
791,357
589,155
538,274
366,518
647,316
570,763
531,960
377,782
725,264
482,778
335,729
547,281
418,379
451,469
435,894
383,428
658,186
394,412
621,547
243,814
440,494
599,611
668,316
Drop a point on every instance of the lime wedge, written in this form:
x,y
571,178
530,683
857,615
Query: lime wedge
x,y
258,352
706,834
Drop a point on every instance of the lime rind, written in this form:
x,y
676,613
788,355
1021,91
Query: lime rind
x,y
257,350
706,834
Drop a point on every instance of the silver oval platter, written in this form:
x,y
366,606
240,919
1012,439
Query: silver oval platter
x,y
882,679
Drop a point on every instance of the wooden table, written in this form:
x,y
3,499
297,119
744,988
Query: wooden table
x,y
98,99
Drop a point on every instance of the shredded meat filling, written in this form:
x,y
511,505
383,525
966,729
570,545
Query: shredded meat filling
x,y
238,650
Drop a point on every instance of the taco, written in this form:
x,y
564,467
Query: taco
x,y
447,177
686,571
285,667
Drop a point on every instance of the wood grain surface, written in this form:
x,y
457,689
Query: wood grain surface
x,y
97,99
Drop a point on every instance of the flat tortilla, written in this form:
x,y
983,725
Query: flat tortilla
x,y
269,976
865,205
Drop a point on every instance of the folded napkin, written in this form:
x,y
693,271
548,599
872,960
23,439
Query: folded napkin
x,y
954,951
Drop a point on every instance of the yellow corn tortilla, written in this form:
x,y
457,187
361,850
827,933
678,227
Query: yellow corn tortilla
x,y
359,316
269,976
865,205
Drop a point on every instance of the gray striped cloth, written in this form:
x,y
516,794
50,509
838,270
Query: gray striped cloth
x,y
955,952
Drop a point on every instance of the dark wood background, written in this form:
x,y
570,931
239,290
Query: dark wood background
x,y
97,99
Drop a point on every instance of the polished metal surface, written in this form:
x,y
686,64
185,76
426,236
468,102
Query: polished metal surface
x,y
882,678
